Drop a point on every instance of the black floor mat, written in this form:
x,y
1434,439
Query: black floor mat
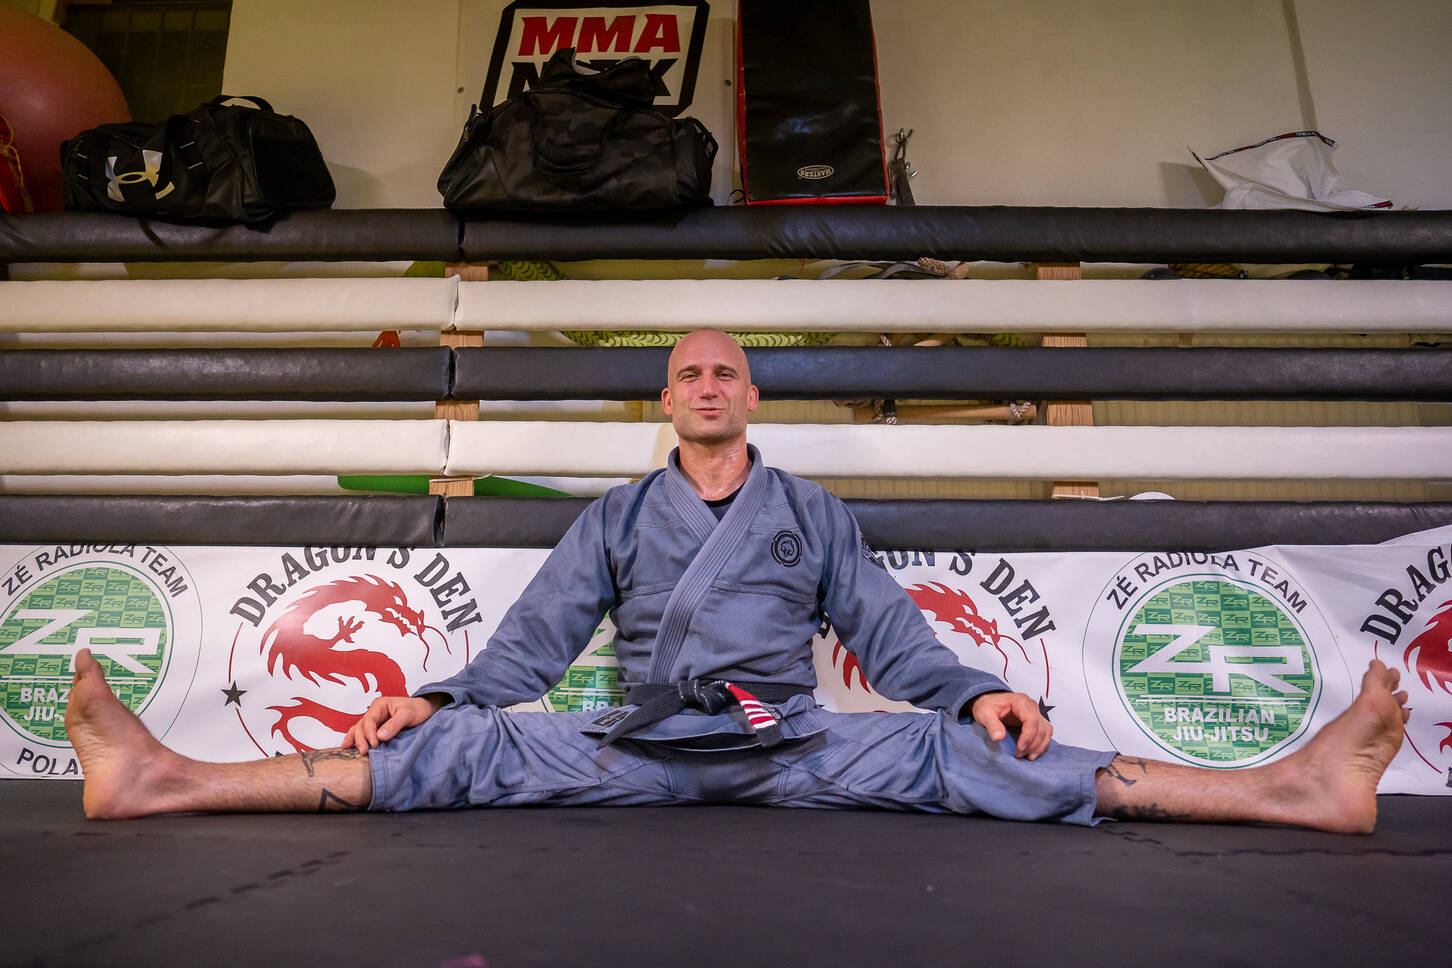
x,y
697,886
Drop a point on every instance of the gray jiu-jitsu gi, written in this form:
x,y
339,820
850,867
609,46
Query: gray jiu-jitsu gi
x,y
737,600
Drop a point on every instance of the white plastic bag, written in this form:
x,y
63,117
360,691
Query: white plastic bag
x,y
1288,171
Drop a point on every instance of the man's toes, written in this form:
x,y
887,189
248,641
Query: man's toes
x,y
1372,674
84,663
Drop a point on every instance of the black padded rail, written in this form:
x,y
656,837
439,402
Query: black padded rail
x,y
999,233
968,373
996,233
942,525
373,521
1136,525
415,373
818,373
345,235
507,522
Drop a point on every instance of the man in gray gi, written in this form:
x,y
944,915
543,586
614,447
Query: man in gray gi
x,y
717,571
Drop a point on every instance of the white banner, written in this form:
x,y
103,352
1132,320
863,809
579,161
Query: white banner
x,y
1220,660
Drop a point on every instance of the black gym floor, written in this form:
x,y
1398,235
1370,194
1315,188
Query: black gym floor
x,y
709,886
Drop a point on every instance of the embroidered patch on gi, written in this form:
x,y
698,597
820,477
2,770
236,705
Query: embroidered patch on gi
x,y
876,559
786,548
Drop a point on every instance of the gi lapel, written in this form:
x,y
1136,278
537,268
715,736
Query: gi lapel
x,y
721,538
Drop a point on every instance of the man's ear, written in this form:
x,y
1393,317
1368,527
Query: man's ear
x,y
753,396
665,400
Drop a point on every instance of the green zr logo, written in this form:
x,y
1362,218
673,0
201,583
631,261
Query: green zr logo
x,y
593,681
1216,672
112,611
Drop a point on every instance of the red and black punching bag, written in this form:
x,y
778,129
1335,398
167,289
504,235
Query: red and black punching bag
x,y
808,122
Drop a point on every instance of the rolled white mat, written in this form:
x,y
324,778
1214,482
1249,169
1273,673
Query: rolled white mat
x,y
968,305
1033,452
245,484
161,305
223,447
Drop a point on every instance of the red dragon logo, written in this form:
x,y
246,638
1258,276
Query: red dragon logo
x,y
954,607
1433,659
948,605
299,652
850,666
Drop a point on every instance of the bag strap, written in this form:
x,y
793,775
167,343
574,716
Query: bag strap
x,y
188,153
14,196
627,80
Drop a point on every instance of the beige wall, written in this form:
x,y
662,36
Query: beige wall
x,y
373,79
1381,78
1023,102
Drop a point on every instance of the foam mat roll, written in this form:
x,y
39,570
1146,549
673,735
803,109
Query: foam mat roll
x,y
970,305
222,446
958,451
165,305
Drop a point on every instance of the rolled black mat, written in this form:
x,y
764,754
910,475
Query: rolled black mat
x,y
486,522
968,373
943,525
365,235
375,521
1136,525
1004,234
413,373
997,233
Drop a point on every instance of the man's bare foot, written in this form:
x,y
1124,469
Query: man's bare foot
x,y
125,767
1332,781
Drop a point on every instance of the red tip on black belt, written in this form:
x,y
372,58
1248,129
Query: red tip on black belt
x,y
659,701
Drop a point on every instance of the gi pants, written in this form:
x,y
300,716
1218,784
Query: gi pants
x,y
467,756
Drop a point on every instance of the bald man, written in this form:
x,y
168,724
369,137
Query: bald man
x,y
717,571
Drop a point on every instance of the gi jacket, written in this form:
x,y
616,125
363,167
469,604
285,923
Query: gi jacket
x,y
739,599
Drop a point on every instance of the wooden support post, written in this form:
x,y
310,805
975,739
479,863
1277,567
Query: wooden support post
x,y
459,409
468,271
1067,413
452,486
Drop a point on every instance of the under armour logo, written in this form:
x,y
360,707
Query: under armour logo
x,y
151,175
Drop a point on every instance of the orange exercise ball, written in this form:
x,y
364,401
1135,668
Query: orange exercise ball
x,y
51,88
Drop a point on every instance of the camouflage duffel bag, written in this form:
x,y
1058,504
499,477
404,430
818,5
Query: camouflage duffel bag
x,y
580,140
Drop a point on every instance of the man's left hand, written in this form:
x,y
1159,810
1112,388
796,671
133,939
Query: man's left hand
x,y
1000,711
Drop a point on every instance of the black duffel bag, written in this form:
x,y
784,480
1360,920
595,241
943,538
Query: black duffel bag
x,y
578,140
242,162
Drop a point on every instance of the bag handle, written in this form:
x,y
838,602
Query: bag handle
x,y
576,165
259,103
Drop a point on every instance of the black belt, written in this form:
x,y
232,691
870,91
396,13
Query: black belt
x,y
658,701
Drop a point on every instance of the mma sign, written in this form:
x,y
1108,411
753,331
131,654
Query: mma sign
x,y
666,35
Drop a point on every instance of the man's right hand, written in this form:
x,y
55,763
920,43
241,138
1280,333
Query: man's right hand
x,y
387,715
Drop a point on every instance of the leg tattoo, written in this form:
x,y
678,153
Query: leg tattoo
x,y
1147,812
331,802
312,757
1114,769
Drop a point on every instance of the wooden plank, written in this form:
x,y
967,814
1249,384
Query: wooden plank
x,y
1067,413
452,486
